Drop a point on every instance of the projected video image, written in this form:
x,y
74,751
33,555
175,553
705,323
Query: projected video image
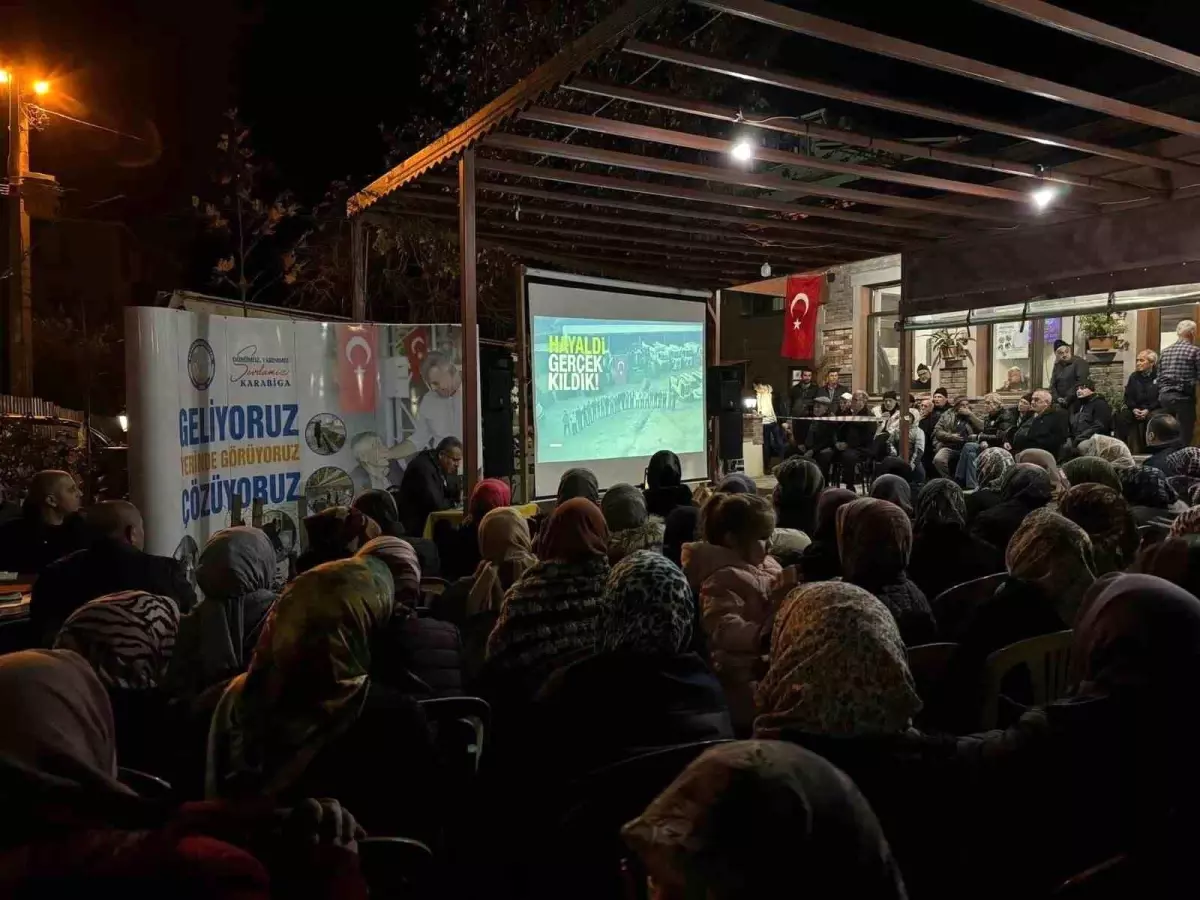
x,y
611,389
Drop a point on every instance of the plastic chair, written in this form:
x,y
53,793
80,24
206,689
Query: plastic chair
x,y
953,606
1113,878
1048,659
395,866
432,587
144,784
473,718
928,663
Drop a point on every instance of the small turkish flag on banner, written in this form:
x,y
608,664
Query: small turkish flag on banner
x,y
357,367
620,370
800,319
416,348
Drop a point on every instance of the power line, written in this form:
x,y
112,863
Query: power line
x,y
51,112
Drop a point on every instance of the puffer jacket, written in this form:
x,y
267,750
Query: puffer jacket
x,y
421,657
735,608
647,536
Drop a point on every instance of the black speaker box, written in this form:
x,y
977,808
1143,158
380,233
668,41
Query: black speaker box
x,y
724,390
496,411
729,435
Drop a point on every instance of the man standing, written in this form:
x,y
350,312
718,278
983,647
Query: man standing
x,y
923,381
430,484
1069,372
113,562
50,525
802,394
1048,429
1178,372
954,429
1092,414
1141,399
831,388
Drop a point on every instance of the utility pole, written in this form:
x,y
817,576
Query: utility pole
x,y
18,317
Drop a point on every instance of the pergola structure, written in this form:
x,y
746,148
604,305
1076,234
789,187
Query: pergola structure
x,y
591,168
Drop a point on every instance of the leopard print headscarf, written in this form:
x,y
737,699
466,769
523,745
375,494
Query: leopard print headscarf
x,y
648,606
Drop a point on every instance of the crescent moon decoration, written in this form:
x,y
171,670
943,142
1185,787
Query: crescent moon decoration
x,y
800,296
357,341
418,342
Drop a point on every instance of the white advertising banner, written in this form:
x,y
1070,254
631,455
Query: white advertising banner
x,y
278,410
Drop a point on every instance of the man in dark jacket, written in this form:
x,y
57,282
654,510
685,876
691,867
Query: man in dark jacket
x,y
1163,437
1024,417
1092,415
1141,399
49,527
1069,372
1048,429
430,484
800,404
113,562
951,433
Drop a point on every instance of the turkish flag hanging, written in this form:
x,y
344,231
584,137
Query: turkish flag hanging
x,y
800,316
357,367
416,348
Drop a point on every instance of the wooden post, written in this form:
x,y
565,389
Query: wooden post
x,y
358,270
19,318
470,319
713,306
524,388
905,389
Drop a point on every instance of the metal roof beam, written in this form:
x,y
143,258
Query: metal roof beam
x,y
1098,33
624,21
905,107
710,174
895,48
607,182
802,128
782,157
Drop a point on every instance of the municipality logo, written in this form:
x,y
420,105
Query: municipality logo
x,y
201,364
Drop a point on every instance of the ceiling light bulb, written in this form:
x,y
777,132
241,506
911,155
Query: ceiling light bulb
x,y
743,150
765,271
1043,197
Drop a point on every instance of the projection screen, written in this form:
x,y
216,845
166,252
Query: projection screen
x,y
618,374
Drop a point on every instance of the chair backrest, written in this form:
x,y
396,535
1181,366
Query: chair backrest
x,y
928,663
462,725
432,587
953,606
1048,659
146,785
395,866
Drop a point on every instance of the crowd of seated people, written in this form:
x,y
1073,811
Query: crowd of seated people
x,y
743,663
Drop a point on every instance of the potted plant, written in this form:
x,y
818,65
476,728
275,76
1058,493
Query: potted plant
x,y
1105,333
950,347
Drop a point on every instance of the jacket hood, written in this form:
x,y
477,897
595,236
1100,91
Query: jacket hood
x,y
701,559
647,536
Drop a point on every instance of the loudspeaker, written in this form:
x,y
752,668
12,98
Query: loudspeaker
x,y
729,435
496,411
724,394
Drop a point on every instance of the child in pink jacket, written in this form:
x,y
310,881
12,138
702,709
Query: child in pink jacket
x,y
733,575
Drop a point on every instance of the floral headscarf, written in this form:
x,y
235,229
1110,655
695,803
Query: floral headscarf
x,y
648,607
128,638
1031,485
307,681
874,541
1052,552
1105,515
838,666
1187,522
747,816
1044,459
1184,462
1147,486
893,489
993,463
1114,451
402,562
1091,470
941,502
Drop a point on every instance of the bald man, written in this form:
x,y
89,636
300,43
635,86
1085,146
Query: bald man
x,y
112,562
49,526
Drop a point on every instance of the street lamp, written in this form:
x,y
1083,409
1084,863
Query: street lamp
x,y
5,76
41,88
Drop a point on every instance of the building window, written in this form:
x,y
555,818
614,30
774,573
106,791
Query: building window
x,y
1030,349
761,305
883,340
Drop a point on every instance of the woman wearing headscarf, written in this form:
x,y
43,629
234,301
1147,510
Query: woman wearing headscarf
x,y
1184,462
129,639
549,614
1177,559
1151,498
458,548
307,719
1105,515
380,506
420,656
894,490
335,533
944,553
578,482
681,528
643,688
235,574
799,484
991,466
630,526
838,666
1187,522
1050,567
874,542
664,490
1044,459
1091,470
737,483
1023,488
746,817
821,561
72,829
1114,451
